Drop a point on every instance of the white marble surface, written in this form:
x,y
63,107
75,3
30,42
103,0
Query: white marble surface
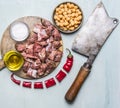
x,y
102,87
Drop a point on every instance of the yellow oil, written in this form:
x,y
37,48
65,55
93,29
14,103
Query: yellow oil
x,y
13,60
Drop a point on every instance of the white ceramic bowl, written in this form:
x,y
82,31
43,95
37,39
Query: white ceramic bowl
x,y
19,31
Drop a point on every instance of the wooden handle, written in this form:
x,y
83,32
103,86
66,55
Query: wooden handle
x,y
76,85
2,65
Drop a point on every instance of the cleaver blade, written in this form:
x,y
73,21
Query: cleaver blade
x,y
89,42
94,33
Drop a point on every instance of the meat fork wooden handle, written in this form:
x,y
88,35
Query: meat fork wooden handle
x,y
76,85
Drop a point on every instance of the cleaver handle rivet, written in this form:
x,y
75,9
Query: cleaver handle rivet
x,y
87,65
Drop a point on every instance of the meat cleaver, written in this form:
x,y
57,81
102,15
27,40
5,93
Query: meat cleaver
x,y
88,42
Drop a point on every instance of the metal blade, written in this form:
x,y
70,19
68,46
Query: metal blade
x,y
94,33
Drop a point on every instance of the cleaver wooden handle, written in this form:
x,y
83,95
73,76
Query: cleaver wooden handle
x,y
2,65
79,80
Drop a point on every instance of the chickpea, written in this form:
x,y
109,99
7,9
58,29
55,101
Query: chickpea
x,y
72,23
71,28
72,5
79,17
76,15
61,21
69,11
61,6
73,10
76,7
73,15
63,18
65,23
75,26
61,24
59,12
65,5
68,4
79,12
66,9
68,27
68,16
76,22
62,9
55,17
64,13
58,18
64,28
57,9
58,23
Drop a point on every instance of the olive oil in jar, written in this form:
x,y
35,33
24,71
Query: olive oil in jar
x,y
13,60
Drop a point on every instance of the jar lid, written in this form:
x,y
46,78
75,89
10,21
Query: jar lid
x,y
19,31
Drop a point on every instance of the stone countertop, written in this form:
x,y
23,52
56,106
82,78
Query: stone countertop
x,y
102,87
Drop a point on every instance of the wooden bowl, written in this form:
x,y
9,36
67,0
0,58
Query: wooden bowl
x,y
58,27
